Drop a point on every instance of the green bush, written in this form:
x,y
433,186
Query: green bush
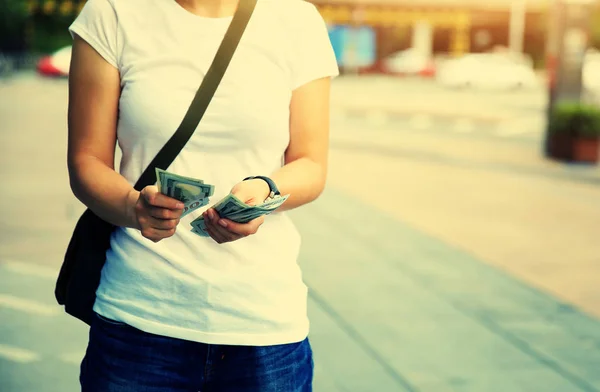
x,y
576,119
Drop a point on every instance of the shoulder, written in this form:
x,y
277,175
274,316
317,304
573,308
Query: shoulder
x,y
97,12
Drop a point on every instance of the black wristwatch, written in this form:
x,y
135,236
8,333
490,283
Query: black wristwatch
x,y
272,187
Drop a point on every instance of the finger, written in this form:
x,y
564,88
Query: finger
x,y
154,198
159,224
224,233
164,213
220,232
215,235
219,227
243,229
212,215
162,224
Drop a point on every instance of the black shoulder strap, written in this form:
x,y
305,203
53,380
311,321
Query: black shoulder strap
x,y
207,89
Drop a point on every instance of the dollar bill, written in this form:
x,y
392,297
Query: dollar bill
x,y
192,192
199,227
163,175
194,205
230,205
200,232
248,214
182,188
272,204
236,210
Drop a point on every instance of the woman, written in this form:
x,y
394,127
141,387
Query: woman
x,y
176,311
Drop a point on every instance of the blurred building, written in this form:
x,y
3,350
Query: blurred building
x,y
450,27
382,27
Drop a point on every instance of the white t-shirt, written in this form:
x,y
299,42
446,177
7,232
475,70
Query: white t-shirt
x,y
248,292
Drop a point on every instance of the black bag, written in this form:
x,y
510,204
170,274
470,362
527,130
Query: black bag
x,y
79,275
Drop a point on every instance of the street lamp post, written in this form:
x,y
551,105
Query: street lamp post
x,y
518,13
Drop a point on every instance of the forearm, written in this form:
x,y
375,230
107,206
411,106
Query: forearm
x,y
104,191
303,179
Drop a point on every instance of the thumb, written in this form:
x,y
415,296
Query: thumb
x,y
149,193
240,191
245,197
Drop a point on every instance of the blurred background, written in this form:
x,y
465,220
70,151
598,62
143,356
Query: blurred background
x,y
457,246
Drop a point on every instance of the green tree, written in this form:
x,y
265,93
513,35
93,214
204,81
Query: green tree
x,y
49,32
13,19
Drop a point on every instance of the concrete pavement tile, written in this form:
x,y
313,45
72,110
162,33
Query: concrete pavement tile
x,y
48,333
26,285
346,364
323,380
48,375
549,336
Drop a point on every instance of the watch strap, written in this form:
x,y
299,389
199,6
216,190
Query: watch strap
x,y
274,191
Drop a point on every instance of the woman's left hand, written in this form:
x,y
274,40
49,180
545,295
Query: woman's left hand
x,y
251,192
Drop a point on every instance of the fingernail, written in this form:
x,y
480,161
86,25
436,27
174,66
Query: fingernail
x,y
223,223
210,214
180,205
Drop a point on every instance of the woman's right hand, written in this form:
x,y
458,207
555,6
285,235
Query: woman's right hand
x,y
156,215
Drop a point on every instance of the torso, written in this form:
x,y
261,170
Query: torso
x,y
246,292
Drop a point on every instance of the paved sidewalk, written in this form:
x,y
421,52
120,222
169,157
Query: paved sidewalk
x,y
418,314
477,267
460,151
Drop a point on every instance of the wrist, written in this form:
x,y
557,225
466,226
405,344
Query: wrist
x,y
131,201
268,184
262,187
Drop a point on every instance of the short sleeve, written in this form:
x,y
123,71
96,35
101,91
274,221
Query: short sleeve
x,y
313,56
97,25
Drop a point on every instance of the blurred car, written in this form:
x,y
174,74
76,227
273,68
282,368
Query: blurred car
x,y
55,64
409,62
487,71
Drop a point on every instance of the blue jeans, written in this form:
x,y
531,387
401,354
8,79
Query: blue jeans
x,y
121,358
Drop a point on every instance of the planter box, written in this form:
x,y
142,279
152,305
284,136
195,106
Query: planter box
x,y
573,149
586,149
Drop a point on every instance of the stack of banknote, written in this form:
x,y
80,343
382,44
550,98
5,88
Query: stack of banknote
x,y
194,194
232,208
